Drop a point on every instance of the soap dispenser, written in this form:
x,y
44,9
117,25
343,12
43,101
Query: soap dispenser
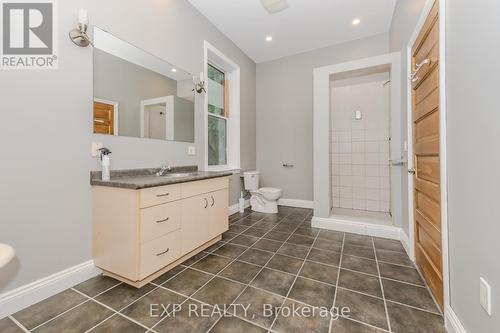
x,y
105,164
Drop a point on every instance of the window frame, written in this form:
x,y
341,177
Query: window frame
x,y
217,59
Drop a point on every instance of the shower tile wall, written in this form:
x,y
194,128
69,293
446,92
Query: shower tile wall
x,y
360,148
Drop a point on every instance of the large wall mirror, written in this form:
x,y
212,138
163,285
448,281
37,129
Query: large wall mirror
x,y
138,94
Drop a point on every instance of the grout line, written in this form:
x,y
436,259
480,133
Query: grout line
x,y
213,277
262,268
382,289
337,283
98,324
21,326
113,310
293,283
59,315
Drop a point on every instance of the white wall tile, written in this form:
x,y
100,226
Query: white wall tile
x,y
345,192
345,159
358,170
346,203
360,148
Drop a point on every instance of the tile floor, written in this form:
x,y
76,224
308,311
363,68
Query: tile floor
x,y
263,262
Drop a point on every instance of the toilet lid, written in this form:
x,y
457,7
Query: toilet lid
x,y
269,190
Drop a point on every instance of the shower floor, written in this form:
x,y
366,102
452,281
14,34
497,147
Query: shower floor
x,y
364,216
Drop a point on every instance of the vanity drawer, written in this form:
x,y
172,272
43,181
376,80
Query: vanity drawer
x,y
160,220
159,252
158,195
204,186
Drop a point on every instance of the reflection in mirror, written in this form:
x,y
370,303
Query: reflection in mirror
x,y
137,94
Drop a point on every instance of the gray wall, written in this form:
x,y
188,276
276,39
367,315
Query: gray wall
x,y
406,15
45,210
128,84
183,119
284,113
473,116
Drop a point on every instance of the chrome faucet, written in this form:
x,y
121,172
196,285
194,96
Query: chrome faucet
x,y
164,169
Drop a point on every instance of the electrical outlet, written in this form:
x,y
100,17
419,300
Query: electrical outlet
x,y
191,150
485,295
95,149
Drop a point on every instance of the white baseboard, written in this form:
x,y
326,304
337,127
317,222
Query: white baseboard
x,y
355,227
452,323
405,240
233,209
29,294
296,203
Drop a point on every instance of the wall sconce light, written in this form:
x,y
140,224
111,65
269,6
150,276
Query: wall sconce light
x,y
79,35
199,86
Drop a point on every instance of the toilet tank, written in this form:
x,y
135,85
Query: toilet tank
x,y
251,179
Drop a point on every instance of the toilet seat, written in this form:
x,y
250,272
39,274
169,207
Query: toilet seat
x,y
269,190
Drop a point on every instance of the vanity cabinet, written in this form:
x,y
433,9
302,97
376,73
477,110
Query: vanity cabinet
x,y
140,234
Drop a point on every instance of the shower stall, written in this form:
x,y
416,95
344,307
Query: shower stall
x,y
358,176
360,149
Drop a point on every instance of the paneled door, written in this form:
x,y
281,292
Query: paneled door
x,y
104,118
426,154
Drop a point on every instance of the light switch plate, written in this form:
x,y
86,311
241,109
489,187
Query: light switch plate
x,y
191,150
485,295
95,148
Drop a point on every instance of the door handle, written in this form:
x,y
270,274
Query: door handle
x,y
206,202
411,171
213,201
164,220
413,77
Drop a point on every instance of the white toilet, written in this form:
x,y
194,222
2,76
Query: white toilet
x,y
264,200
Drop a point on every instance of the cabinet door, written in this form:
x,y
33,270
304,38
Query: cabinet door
x,y
219,221
195,221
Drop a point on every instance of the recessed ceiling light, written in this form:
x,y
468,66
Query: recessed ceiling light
x,y
274,6
174,70
269,38
356,21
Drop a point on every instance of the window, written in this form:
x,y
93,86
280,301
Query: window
x,y
222,111
217,117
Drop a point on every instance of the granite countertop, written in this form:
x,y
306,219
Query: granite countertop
x,y
137,179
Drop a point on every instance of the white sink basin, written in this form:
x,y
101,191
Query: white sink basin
x,y
6,254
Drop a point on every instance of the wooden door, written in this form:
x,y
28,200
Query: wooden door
x,y
426,154
195,221
104,118
219,221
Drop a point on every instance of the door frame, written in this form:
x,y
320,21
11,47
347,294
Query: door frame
x,y
169,114
321,137
442,143
115,111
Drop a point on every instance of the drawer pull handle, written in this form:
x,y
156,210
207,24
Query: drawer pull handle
x,y
213,201
164,220
162,195
206,203
162,253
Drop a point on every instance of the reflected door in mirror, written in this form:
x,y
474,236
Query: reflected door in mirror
x,y
104,118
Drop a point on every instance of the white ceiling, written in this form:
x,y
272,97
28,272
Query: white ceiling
x,y
306,24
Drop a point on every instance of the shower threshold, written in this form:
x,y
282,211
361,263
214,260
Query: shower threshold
x,y
362,216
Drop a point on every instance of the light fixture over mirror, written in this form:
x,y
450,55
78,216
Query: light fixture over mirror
x,y
79,35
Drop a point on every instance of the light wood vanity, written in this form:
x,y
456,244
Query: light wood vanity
x,y
139,234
